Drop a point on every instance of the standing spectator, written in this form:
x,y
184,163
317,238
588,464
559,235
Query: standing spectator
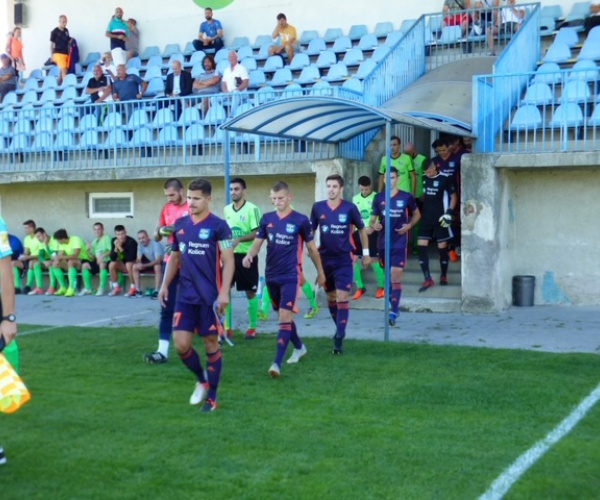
x,y
439,202
286,36
14,49
402,203
208,82
179,83
285,231
202,256
149,259
364,202
336,219
99,250
118,32
175,208
235,76
123,254
8,77
243,218
403,164
133,41
8,325
59,47
210,33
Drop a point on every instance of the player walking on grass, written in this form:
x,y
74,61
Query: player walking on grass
x,y
201,242
439,202
401,203
336,219
285,231
243,217
175,207
8,325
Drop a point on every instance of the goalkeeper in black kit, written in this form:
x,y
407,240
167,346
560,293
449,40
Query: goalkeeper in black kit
x,y
439,201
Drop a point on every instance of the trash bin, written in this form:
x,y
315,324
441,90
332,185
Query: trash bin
x,y
522,290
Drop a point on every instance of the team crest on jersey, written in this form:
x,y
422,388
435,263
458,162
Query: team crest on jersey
x,y
290,228
204,233
242,218
436,184
400,203
325,229
182,247
343,218
271,237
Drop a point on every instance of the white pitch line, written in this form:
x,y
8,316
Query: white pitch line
x,y
510,475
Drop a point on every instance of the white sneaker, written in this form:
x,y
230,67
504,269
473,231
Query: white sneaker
x,y
274,371
100,292
297,355
84,292
199,393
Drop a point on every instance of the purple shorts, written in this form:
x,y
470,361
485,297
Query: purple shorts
x,y
338,272
397,257
199,319
283,295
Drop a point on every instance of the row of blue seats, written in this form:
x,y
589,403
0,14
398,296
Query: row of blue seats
x,y
529,117
542,94
567,39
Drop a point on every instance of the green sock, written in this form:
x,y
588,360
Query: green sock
x,y
357,275
103,278
308,292
17,277
379,277
252,312
121,279
60,276
265,300
227,320
29,278
52,277
87,279
37,272
72,272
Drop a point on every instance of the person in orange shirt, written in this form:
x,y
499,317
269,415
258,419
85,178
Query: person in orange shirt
x,y
14,49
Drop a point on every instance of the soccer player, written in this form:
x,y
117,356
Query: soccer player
x,y
47,249
123,254
175,207
336,219
418,159
401,203
243,217
403,164
285,231
99,251
364,203
71,254
150,254
201,242
8,325
30,259
439,202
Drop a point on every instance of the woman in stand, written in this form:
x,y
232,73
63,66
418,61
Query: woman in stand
x,y
14,49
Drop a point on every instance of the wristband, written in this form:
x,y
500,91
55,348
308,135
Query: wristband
x,y
365,252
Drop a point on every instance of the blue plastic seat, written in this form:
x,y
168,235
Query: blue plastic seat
x,y
263,51
292,90
134,71
309,74
316,46
112,121
30,84
590,51
281,78
134,62
357,31
221,55
66,124
49,95
337,73
189,116
70,93
197,69
19,143
299,61
88,140
383,28
84,80
353,57
64,141
538,94
189,49
321,88
380,52
92,58
326,59
162,118
53,71
249,63
194,135
196,57
264,94
257,79
575,91
368,42
242,108
272,64
261,40
342,44
547,26
353,84
332,34
9,100
558,52
594,34
155,87
393,38
168,137
44,124
215,115
450,35
585,70
37,74
141,138
568,36
365,68
239,41
88,122
548,73
42,142
149,52
307,36
567,115
170,49
174,57
221,66
154,61
138,119
50,82
526,118
594,120
553,11
245,51
69,80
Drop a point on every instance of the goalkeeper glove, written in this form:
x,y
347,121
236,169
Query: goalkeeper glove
x,y
168,249
446,219
165,230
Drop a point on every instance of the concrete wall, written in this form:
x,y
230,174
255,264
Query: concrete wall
x,y
530,215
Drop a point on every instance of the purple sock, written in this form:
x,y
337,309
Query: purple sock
x,y
213,367
395,295
333,310
283,339
342,319
294,338
192,362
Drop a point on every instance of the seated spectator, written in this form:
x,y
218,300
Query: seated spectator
x,y
235,76
507,23
455,18
127,88
59,47
179,84
150,254
133,41
208,82
123,254
99,249
118,32
108,66
481,18
14,49
8,76
70,256
286,36
594,19
210,34
99,87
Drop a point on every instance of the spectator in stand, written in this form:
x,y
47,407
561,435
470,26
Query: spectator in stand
x,y
127,88
235,76
8,76
59,47
454,17
210,34
150,254
99,89
118,32
133,42
286,35
208,82
108,66
14,49
179,84
123,254
507,22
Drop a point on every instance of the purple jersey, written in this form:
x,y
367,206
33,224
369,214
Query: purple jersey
x,y
285,237
400,204
336,226
200,246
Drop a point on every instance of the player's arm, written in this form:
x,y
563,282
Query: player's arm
x,y
364,241
313,253
413,182
228,261
170,271
252,252
416,217
74,255
247,237
8,329
374,223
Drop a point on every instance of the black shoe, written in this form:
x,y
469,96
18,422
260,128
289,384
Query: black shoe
x,y
17,291
2,456
209,405
337,345
26,290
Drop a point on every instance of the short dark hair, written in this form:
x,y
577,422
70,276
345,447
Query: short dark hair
x,y
60,234
364,180
442,141
394,170
173,183
200,185
29,223
280,186
395,138
336,177
143,231
427,163
40,230
119,227
208,8
281,16
238,180
98,224
132,21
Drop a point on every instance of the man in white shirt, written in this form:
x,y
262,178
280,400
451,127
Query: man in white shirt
x,y
507,23
235,76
